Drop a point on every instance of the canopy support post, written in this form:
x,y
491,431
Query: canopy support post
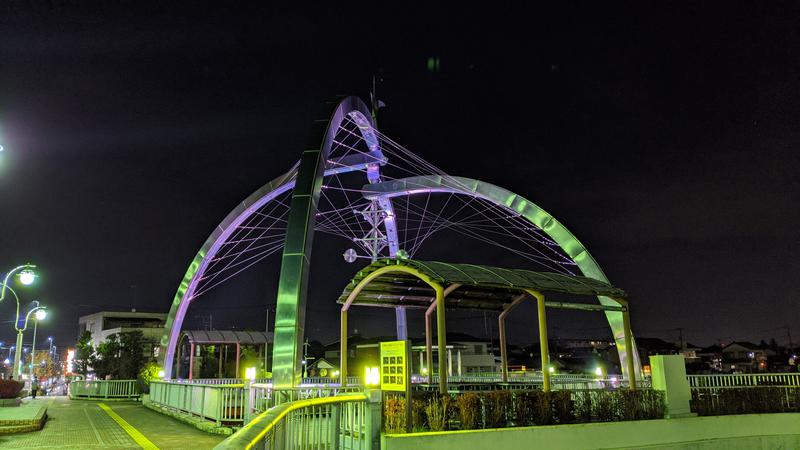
x,y
502,327
429,341
343,349
543,346
441,338
626,326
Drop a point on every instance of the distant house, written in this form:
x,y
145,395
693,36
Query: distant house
x,y
742,356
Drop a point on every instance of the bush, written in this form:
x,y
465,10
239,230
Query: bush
x,y
394,414
439,410
496,407
469,410
10,388
745,400
562,406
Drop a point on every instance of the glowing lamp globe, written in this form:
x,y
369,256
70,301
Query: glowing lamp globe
x,y
41,314
27,277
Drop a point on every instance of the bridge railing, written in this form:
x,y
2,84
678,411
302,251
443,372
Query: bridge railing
x,y
105,389
263,396
221,403
743,380
347,421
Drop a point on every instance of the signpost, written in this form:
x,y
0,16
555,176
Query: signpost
x,y
395,372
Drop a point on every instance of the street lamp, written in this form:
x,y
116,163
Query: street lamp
x,y
27,276
34,310
40,314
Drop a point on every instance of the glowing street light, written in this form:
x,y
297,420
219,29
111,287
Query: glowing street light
x,y
39,314
29,278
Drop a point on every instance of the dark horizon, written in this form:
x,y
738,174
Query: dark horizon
x,y
663,138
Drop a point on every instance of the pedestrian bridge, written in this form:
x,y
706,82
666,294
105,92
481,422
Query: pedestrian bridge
x,y
87,425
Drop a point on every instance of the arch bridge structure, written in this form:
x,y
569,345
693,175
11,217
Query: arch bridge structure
x,y
354,182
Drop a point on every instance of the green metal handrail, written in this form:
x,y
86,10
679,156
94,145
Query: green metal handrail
x,y
250,435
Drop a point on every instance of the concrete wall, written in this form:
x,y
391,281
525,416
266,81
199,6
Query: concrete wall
x,y
746,432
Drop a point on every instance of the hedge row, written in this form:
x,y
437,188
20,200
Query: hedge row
x,y
745,400
499,409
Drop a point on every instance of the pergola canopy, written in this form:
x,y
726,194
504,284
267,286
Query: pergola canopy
x,y
482,287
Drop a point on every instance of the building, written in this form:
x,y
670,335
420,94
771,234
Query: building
x,y
745,357
105,323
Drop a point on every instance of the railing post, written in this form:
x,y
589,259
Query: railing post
x,y
247,400
372,419
669,375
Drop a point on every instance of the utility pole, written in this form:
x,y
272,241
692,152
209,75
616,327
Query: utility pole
x,y
680,337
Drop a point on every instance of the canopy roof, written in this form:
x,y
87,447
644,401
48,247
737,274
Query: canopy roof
x,y
482,287
227,337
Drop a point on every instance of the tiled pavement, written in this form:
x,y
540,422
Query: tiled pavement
x,y
76,424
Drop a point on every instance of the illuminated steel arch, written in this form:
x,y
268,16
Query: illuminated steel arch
x,y
351,107
305,181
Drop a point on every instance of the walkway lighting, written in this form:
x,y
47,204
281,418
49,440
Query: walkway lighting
x,y
41,314
27,277
372,376
598,371
250,373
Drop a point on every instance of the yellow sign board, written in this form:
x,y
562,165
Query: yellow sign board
x,y
394,366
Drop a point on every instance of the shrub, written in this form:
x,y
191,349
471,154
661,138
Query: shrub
x,y
562,406
394,414
469,410
745,400
496,406
10,388
438,410
526,407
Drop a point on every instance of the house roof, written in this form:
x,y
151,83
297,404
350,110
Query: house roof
x,y
482,287
227,337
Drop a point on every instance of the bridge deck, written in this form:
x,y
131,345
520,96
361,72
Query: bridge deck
x,y
79,424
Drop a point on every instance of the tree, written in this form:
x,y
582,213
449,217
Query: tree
x,y
43,365
84,353
132,358
106,363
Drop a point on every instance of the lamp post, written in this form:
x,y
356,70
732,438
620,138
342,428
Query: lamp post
x,y
40,315
26,277
18,353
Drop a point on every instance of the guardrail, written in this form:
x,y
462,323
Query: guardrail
x,y
221,403
263,396
104,389
348,421
744,380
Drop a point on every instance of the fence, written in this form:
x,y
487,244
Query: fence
x,y
264,396
721,394
742,380
346,422
221,403
105,389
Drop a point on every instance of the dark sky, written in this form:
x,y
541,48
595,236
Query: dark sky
x,y
664,138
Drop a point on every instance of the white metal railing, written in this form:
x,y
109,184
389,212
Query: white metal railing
x,y
743,380
218,380
221,403
264,396
105,389
557,381
346,422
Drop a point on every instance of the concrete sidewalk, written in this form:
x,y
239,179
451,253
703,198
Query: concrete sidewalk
x,y
82,424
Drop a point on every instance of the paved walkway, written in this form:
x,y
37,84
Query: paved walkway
x,y
89,425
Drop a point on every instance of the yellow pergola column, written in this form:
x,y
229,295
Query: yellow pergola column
x,y
502,327
626,326
429,340
343,348
543,346
441,339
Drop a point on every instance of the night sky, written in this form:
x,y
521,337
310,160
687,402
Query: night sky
x,y
664,138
